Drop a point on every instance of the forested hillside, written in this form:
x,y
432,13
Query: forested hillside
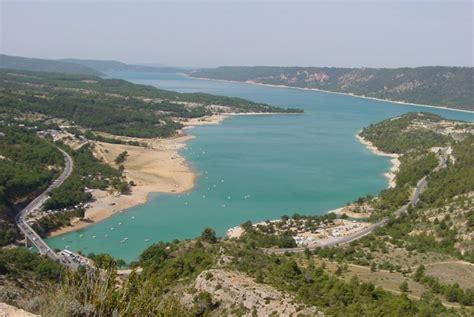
x,y
27,165
418,137
109,105
44,65
450,87
105,66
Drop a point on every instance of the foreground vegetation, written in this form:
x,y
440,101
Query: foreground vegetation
x,y
170,269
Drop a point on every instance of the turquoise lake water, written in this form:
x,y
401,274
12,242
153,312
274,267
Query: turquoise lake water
x,y
254,167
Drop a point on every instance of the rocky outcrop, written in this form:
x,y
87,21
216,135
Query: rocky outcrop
x,y
11,311
233,289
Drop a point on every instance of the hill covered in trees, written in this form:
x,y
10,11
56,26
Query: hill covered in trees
x,y
105,66
110,105
27,165
45,65
76,66
450,87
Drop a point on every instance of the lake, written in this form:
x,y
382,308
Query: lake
x,y
254,167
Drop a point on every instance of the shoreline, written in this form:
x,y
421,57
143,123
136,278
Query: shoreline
x,y
390,174
158,168
334,92
237,231
350,214
395,159
106,205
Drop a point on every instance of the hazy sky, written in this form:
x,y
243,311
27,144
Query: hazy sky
x,y
378,33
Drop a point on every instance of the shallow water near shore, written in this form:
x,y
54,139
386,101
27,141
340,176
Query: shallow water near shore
x,y
254,167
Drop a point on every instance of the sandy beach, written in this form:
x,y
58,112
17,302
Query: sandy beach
x,y
346,211
155,168
206,120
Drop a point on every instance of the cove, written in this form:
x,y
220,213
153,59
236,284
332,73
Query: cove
x,y
254,167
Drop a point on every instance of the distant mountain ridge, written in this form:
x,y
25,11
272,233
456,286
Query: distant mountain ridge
x,y
441,86
45,65
76,66
110,65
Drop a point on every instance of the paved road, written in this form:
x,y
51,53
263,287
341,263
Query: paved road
x,y
415,197
20,219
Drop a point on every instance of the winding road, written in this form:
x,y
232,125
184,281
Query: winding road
x,y
34,205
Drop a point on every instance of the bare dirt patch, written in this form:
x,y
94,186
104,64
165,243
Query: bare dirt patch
x,y
453,272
